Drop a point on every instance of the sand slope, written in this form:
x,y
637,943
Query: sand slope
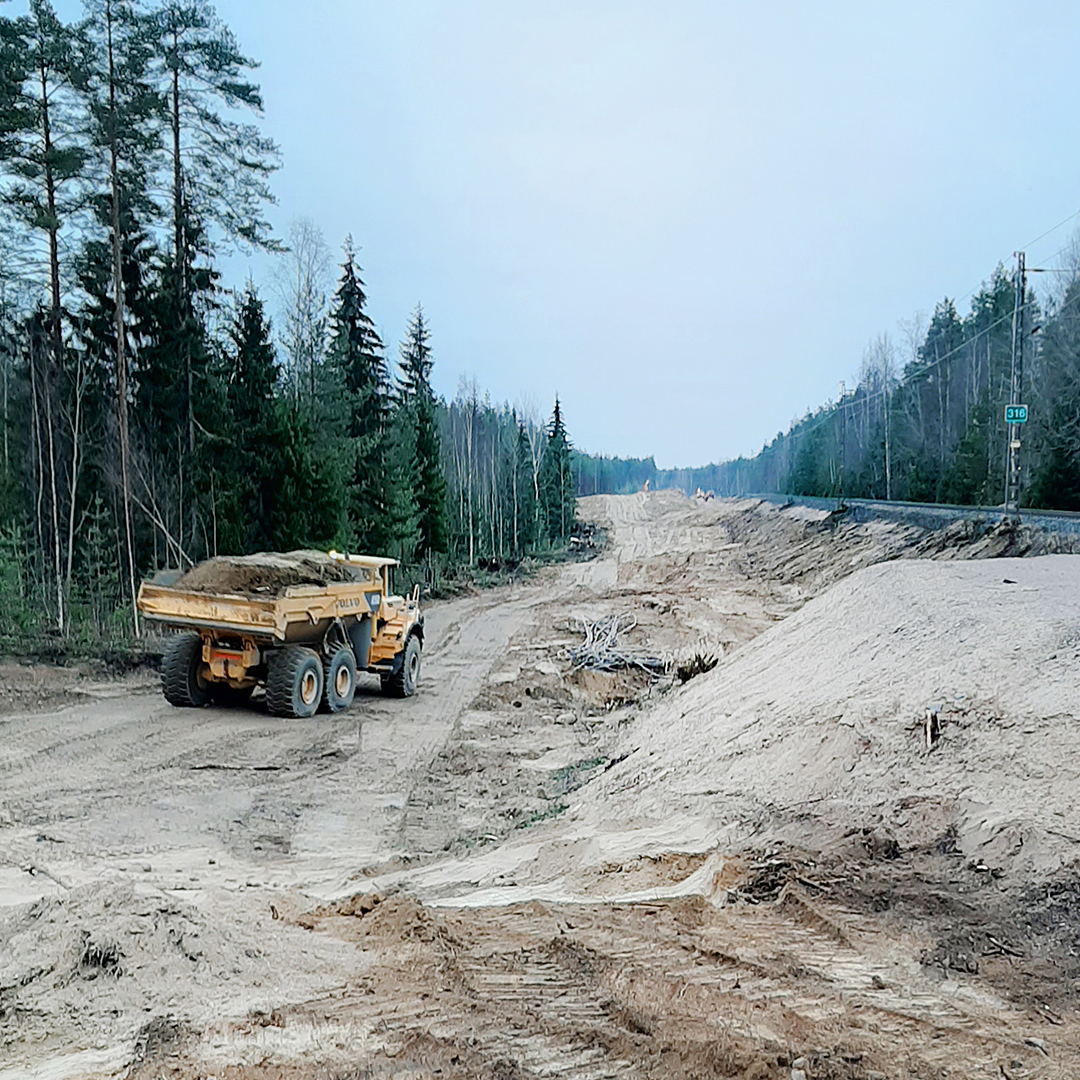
x,y
817,725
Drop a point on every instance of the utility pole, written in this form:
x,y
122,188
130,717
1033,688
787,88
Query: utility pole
x,y
843,441
1015,409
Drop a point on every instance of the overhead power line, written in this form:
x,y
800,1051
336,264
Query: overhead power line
x,y
923,371
932,365
1064,221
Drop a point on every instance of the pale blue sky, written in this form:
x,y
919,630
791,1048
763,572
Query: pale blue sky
x,y
686,218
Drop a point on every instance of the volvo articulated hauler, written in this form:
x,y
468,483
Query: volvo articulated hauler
x,y
301,625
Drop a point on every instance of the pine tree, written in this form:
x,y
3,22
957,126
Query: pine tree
x,y
219,167
557,482
425,468
43,153
126,118
14,71
44,159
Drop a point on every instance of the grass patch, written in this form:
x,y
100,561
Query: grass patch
x,y
546,814
571,777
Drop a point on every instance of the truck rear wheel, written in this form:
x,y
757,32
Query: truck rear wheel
x,y
181,672
294,684
340,680
403,682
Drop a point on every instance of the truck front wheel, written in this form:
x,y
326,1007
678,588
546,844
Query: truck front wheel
x,y
403,682
181,672
294,683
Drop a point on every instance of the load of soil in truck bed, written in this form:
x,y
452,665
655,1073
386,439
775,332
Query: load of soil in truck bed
x,y
267,573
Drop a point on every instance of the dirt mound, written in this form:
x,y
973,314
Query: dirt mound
x,y
372,915
132,947
125,972
267,573
819,723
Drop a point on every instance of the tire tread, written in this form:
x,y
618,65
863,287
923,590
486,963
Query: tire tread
x,y
281,678
175,670
395,684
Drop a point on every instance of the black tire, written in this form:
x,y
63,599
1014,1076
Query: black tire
x,y
294,684
181,672
340,680
230,697
403,682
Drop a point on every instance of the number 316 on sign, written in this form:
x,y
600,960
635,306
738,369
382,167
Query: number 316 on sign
x,y
1015,414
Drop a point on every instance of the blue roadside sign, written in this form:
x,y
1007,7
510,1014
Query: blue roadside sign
x,y
1015,414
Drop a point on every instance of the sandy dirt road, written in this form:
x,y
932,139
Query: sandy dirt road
x,y
125,782
431,887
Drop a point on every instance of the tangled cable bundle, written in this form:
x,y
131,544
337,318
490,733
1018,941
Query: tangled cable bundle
x,y
600,650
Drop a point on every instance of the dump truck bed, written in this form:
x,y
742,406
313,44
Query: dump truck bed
x,y
300,613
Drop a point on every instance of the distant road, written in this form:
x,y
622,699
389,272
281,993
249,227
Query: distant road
x,y
929,515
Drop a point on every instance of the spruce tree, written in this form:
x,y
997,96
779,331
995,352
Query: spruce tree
x,y
418,405
248,473
273,489
402,529
357,361
557,482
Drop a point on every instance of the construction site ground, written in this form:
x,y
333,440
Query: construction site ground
x,y
528,870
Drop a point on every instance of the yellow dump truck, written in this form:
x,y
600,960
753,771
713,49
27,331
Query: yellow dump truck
x,y
300,624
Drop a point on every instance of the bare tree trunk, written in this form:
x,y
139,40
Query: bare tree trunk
x,y
50,208
180,240
941,422
948,412
121,341
536,453
52,368
888,461
7,419
179,497
495,548
469,475
76,465
514,495
153,497
58,577
35,436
